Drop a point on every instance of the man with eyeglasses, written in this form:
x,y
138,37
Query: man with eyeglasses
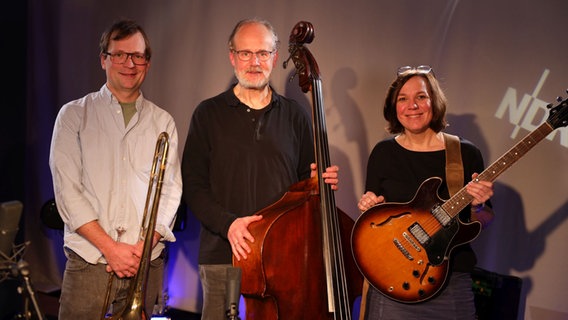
x,y
245,148
101,155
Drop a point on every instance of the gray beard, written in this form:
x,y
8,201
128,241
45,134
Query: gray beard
x,y
249,85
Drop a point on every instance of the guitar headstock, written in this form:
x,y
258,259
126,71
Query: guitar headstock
x,y
558,116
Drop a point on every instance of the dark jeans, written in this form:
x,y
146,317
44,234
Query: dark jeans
x,y
85,285
213,281
456,302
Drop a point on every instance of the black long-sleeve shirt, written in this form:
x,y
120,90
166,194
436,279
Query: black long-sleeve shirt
x,y
238,160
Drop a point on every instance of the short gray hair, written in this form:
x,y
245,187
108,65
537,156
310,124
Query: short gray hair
x,y
244,22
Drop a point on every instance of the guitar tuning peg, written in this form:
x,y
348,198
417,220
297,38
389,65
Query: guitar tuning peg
x,y
558,99
548,106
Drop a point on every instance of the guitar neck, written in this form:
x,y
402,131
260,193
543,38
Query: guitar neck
x,y
461,199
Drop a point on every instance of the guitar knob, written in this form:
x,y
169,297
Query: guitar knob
x,y
421,292
416,273
431,280
406,285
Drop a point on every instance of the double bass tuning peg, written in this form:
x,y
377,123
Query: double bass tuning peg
x,y
292,51
285,63
293,76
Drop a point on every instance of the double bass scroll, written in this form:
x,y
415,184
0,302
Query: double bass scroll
x,y
306,66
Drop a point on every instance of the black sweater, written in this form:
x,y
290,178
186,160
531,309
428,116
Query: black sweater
x,y
238,160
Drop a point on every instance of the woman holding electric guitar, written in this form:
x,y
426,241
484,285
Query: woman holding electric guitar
x,y
426,275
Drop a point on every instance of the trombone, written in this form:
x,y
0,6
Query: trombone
x,y
135,300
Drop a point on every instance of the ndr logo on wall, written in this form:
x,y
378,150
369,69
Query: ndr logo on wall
x,y
530,112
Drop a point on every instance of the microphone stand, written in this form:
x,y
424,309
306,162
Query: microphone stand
x,y
22,268
233,312
19,270
233,288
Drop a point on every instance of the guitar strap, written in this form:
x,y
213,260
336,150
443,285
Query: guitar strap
x,y
454,180
363,305
454,165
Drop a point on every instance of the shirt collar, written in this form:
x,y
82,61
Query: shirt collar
x,y
233,101
107,95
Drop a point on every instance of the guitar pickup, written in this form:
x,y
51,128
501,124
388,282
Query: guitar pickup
x,y
419,233
441,215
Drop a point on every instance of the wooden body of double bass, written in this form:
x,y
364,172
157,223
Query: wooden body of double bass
x,y
284,276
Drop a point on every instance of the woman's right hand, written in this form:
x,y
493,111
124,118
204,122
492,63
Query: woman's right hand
x,y
368,200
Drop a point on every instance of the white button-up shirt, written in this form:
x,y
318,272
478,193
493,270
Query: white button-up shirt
x,y
101,169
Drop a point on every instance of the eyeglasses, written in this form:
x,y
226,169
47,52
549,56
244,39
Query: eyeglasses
x,y
424,69
246,55
121,57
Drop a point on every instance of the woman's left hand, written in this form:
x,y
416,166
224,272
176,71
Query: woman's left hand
x,y
480,190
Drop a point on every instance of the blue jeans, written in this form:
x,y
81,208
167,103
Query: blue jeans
x,y
85,285
456,302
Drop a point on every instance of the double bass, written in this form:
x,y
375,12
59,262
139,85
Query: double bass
x,y
301,265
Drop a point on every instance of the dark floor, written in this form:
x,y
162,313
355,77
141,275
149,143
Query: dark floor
x,y
12,305
174,314
171,315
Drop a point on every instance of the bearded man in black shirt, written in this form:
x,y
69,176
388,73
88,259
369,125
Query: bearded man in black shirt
x,y
245,148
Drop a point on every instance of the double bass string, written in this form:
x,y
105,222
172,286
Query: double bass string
x,y
330,218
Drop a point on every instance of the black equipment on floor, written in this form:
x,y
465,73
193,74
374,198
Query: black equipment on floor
x,y
13,268
496,296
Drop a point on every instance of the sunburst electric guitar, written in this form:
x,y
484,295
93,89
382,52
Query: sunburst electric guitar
x,y
403,249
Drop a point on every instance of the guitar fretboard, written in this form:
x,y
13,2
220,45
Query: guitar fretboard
x,y
461,199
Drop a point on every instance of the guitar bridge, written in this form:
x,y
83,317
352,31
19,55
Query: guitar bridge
x,y
411,241
402,249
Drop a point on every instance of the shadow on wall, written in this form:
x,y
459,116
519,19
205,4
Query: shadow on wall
x,y
344,108
345,123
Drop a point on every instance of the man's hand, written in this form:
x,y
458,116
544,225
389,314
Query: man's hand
x,y
238,235
330,176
